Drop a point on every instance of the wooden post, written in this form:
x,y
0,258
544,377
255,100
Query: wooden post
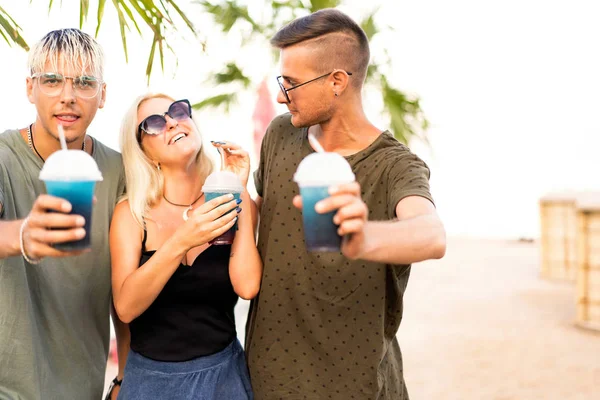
x,y
588,266
558,236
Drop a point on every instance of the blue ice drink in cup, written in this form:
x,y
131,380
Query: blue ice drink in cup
x,y
315,175
72,175
217,184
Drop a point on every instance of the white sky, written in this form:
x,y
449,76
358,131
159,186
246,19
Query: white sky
x,y
510,88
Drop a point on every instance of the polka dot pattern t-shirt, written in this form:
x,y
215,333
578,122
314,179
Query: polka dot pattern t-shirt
x,y
323,326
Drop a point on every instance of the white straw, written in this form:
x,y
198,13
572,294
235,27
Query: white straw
x,y
315,143
222,153
61,136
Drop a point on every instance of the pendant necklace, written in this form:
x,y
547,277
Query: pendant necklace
x,y
188,207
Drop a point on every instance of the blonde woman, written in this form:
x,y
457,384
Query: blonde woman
x,y
175,290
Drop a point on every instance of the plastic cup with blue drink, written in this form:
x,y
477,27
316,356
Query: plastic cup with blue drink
x,y
315,175
72,175
217,184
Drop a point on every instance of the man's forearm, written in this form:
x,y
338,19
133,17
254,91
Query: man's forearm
x,y
9,238
406,241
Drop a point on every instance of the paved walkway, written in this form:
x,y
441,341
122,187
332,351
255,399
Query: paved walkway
x,y
481,325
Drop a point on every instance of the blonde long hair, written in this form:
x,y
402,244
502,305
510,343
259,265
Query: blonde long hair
x,y
145,182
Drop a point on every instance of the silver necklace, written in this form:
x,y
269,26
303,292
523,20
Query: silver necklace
x,y
32,143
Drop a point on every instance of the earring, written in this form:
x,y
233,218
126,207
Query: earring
x,y
336,95
158,167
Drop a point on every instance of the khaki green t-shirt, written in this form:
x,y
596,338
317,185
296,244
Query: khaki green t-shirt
x,y
54,316
323,326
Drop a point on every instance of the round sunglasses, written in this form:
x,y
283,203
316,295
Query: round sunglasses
x,y
156,124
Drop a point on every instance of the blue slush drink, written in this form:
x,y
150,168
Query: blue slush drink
x,y
72,175
315,174
217,184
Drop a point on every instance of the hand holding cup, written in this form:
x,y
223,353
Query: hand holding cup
x,y
72,176
351,215
210,220
48,224
316,174
217,184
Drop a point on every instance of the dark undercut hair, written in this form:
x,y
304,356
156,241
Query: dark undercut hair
x,y
338,41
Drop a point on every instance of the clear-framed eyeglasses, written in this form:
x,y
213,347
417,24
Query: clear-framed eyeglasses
x,y
53,83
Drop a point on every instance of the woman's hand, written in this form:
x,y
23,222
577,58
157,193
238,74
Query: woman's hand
x,y
210,220
235,159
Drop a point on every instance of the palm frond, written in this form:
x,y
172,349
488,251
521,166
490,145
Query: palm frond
x,y
231,73
228,14
122,26
11,30
129,13
406,116
368,24
221,100
151,59
316,5
84,7
182,15
100,15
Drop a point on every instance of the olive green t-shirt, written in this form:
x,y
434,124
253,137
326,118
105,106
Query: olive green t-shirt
x,y
324,326
54,316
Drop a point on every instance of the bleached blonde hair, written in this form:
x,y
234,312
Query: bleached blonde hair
x,y
144,181
79,52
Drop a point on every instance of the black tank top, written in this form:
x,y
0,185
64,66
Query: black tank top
x,y
193,314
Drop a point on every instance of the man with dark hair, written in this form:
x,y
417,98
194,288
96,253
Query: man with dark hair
x,y
54,304
324,324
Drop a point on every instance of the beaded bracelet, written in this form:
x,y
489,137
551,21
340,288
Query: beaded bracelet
x,y
22,245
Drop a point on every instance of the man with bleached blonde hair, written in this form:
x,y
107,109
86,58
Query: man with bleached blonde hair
x,y
54,304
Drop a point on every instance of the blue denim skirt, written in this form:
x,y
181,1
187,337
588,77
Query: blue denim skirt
x,y
223,375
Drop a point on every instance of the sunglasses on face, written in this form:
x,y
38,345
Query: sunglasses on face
x,y
156,124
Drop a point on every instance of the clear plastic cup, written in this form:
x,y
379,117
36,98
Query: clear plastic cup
x,y
315,175
72,175
218,184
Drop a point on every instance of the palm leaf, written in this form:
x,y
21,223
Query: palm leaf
x,y
11,30
225,100
5,38
122,26
231,73
129,13
182,15
143,13
100,15
228,14
368,24
161,55
84,6
151,59
316,5
372,71
406,117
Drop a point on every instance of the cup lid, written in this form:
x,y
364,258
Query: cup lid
x,y
225,181
70,165
323,169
